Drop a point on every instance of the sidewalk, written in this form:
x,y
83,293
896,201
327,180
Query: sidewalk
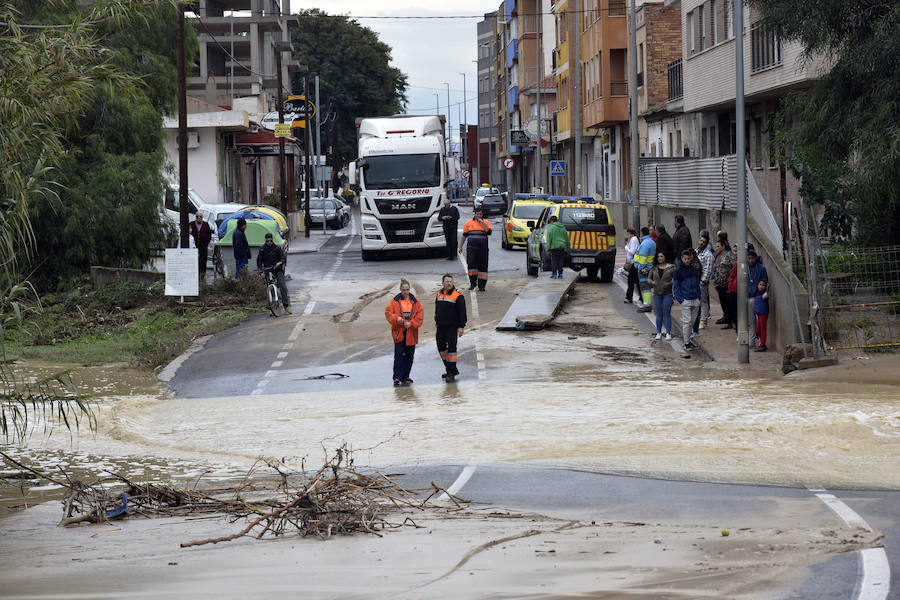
x,y
719,344
303,245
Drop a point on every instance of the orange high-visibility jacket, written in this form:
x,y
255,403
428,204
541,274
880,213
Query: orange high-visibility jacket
x,y
394,315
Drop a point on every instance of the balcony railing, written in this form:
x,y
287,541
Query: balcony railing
x,y
676,84
618,88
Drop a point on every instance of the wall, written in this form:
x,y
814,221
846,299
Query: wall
x,y
203,164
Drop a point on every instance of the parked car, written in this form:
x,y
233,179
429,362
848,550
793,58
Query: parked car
x,y
493,204
591,232
335,213
515,223
213,214
483,191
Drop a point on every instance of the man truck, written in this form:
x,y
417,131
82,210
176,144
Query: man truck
x,y
402,170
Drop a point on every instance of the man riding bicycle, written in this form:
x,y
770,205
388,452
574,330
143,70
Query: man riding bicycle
x,y
272,257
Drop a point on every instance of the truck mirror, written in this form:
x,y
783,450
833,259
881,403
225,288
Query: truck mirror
x,y
351,173
451,169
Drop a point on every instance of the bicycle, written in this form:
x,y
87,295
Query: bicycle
x,y
219,267
273,294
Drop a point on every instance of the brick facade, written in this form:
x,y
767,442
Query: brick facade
x,y
663,45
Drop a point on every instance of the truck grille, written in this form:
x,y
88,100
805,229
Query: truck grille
x,y
400,205
401,231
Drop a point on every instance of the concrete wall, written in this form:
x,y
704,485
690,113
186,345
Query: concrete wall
x,y
782,320
105,275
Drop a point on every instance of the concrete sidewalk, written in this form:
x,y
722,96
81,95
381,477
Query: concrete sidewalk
x,y
303,245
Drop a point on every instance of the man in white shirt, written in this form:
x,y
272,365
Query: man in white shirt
x,y
631,247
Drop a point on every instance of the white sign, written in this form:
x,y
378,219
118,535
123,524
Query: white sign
x,y
269,121
508,163
182,272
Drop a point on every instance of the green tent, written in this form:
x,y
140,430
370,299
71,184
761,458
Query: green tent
x,y
256,232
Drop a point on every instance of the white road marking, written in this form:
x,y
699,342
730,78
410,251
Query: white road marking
x,y
282,355
308,310
270,374
287,346
295,333
479,356
876,570
277,364
482,372
463,478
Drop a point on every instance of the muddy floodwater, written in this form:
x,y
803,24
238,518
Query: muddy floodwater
x,y
662,423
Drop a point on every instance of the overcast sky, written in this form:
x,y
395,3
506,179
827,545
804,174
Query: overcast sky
x,y
430,51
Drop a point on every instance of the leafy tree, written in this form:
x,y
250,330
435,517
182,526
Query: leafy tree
x,y
355,75
111,180
842,136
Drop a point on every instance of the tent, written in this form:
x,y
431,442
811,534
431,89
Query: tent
x,y
248,215
274,213
256,232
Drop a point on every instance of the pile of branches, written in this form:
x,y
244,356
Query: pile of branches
x,y
337,499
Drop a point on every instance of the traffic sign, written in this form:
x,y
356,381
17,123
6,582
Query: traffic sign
x,y
465,174
518,137
558,168
508,163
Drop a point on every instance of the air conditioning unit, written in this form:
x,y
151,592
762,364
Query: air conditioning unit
x,y
193,139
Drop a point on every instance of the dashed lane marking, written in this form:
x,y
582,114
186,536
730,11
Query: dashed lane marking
x,y
306,311
277,364
482,371
457,485
282,355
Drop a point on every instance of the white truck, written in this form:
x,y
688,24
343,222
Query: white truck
x,y
401,169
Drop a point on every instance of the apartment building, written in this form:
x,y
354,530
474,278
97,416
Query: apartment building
x,y
233,84
772,69
659,78
484,156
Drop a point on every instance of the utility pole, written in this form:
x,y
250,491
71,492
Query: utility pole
x,y
322,192
306,219
577,99
449,130
465,127
538,175
742,304
476,172
506,110
280,47
633,125
182,135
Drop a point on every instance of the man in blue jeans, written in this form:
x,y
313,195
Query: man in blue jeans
x,y
241,248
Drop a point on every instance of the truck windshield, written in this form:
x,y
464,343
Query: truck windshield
x,y
402,171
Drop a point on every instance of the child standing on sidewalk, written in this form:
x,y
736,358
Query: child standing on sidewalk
x,y
761,309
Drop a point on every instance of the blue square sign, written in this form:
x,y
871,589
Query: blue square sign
x,y
558,168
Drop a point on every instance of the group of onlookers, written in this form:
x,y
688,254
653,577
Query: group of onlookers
x,y
669,268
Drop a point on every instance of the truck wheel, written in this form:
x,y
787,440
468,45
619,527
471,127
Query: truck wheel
x,y
606,273
592,272
368,255
545,262
530,268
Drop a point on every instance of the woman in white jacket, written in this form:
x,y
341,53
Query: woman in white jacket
x,y
631,247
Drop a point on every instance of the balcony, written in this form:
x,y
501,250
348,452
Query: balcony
x,y
562,52
618,88
512,96
512,52
617,8
676,83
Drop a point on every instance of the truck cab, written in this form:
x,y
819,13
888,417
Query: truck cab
x,y
402,170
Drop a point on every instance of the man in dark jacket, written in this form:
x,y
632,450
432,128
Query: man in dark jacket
x,y
272,257
202,235
665,244
240,247
449,218
681,238
686,290
450,318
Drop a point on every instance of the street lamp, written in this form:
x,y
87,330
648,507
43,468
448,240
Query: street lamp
x,y
465,129
448,118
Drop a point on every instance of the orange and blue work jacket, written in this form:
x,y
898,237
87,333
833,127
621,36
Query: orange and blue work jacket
x,y
399,310
450,309
476,233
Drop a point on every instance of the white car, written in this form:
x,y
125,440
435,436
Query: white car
x,y
213,214
481,192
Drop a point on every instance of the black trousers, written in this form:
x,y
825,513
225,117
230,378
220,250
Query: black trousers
x,y
633,282
477,259
450,236
446,345
557,259
202,256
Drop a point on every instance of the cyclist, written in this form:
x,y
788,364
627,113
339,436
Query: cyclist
x,y
271,256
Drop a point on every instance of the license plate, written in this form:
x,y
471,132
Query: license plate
x,y
582,259
405,232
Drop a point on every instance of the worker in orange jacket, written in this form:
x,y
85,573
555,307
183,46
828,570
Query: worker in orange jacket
x,y
405,314
476,232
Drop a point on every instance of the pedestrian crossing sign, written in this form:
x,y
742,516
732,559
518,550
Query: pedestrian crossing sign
x,y
558,168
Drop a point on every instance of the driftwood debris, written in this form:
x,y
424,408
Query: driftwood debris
x,y
337,499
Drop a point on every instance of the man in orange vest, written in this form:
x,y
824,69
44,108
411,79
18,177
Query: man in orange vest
x,y
450,318
476,232
406,315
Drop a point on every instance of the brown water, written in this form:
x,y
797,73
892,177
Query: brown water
x,y
671,424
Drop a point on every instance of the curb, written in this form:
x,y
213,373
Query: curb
x,y
323,240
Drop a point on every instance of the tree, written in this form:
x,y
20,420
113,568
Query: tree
x,y
842,136
111,179
355,75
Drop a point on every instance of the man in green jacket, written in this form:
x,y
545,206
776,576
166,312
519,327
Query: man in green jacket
x,y
557,243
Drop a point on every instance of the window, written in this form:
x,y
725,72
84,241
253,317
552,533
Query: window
x,y
765,47
703,142
640,64
701,28
671,147
692,47
713,142
729,19
713,34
